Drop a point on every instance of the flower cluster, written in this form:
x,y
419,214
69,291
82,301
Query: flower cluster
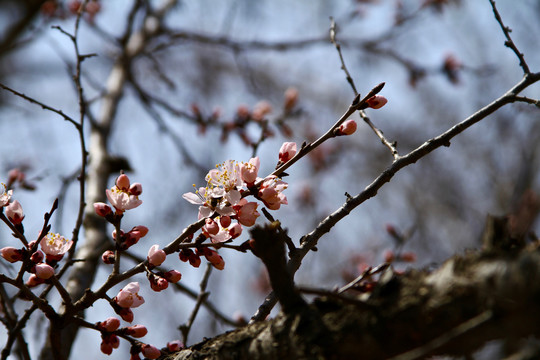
x,y
224,197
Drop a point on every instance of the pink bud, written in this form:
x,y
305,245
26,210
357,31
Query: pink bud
x,y
136,331
194,260
140,230
37,257
135,189
106,348
102,209
126,314
122,182
156,256
175,345
33,280
287,151
225,221
173,276
14,212
210,227
376,101
114,341
110,324
347,128
291,97
108,257
11,254
150,351
44,271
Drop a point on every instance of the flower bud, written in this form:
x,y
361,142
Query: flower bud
x,y
126,314
136,331
110,324
106,348
33,280
44,271
175,345
291,98
102,209
135,189
108,257
11,254
122,182
225,221
347,128
287,151
150,351
156,256
172,276
235,230
37,257
376,101
14,212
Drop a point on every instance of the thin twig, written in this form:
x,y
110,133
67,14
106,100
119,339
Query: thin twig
x,y
378,132
203,295
509,42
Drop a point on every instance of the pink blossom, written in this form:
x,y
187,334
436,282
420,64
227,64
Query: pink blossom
x,y
129,296
175,345
225,175
14,212
102,209
271,194
122,200
11,254
287,151
173,276
376,101
347,128
246,212
249,170
5,196
150,351
110,324
55,245
44,271
214,199
156,256
137,331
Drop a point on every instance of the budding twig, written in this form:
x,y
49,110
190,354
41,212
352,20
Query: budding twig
x,y
509,42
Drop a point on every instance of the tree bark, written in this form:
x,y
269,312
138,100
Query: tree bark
x,y
454,310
